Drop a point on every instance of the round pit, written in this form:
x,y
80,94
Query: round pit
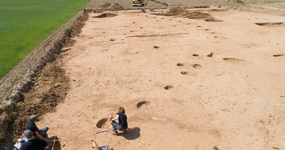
x,y
102,123
143,104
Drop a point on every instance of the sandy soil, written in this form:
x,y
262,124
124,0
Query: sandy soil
x,y
175,93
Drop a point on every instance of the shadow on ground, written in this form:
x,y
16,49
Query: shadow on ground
x,y
132,133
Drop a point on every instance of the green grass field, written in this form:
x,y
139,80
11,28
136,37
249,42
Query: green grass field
x,y
26,23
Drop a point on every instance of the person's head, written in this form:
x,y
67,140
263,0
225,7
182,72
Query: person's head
x,y
121,110
28,134
34,118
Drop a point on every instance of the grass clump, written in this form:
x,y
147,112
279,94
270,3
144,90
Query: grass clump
x,y
216,148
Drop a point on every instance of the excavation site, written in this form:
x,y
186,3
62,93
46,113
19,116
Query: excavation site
x,y
197,78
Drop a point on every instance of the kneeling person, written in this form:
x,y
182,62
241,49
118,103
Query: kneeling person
x,y
32,143
122,123
40,133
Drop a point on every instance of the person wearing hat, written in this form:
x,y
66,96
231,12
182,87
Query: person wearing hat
x,y
32,143
31,125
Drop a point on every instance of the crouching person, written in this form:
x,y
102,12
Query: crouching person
x,y
38,133
122,124
32,143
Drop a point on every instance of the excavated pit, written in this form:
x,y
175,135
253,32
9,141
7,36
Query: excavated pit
x,y
106,15
233,59
271,24
102,123
168,87
278,55
196,66
143,105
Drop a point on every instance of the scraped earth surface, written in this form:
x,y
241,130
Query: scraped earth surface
x,y
227,91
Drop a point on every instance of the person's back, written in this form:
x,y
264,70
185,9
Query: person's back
x,y
123,120
32,143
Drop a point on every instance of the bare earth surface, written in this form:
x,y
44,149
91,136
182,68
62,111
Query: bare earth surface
x,y
233,98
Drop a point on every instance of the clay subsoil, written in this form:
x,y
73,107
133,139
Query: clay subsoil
x,y
185,83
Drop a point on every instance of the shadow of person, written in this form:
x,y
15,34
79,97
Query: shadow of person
x,y
132,133
53,142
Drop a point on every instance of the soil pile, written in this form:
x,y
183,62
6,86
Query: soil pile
x,y
235,2
75,30
106,5
78,25
116,7
196,15
50,88
179,11
173,11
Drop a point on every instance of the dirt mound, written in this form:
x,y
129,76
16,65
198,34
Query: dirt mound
x,y
173,11
78,25
75,30
105,15
116,7
200,15
235,2
196,15
50,88
106,5
179,11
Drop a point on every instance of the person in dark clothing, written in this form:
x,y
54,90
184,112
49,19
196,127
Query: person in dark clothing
x,y
122,124
40,133
32,143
